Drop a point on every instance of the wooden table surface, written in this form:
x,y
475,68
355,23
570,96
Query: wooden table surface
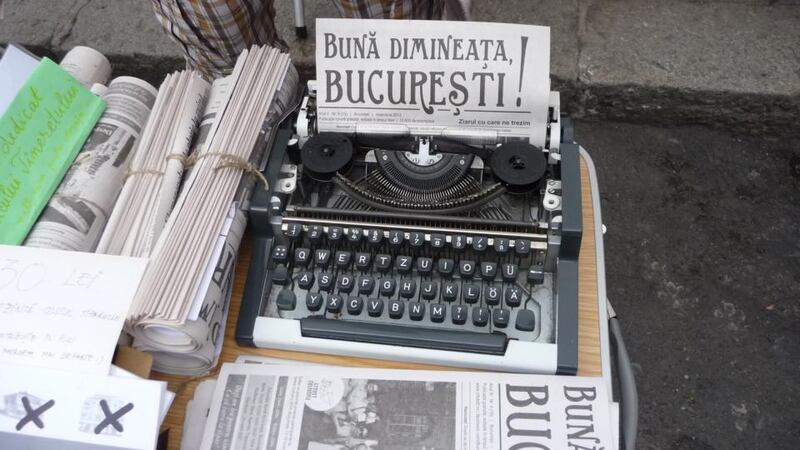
x,y
588,328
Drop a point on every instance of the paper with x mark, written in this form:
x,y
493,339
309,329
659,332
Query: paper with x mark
x,y
51,409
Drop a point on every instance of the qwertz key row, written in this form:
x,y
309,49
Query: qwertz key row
x,y
476,283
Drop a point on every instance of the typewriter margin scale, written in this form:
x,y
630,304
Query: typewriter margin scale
x,y
489,351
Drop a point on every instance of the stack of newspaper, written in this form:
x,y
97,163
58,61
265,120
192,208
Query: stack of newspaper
x,y
154,176
264,403
180,309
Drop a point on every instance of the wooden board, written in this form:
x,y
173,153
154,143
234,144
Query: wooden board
x,y
589,354
588,328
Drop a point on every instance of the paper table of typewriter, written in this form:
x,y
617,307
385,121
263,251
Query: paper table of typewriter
x,y
431,249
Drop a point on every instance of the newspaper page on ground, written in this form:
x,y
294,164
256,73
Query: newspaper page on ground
x,y
259,406
433,78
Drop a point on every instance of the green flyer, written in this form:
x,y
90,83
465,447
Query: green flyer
x,y
41,132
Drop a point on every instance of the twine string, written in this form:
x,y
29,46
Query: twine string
x,y
229,161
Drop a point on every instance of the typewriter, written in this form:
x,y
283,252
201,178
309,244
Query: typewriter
x,y
430,249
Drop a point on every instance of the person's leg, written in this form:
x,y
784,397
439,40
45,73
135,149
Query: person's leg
x,y
212,33
391,9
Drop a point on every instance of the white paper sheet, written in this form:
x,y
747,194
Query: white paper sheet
x,y
52,409
613,414
15,67
63,310
433,78
167,397
197,303
196,413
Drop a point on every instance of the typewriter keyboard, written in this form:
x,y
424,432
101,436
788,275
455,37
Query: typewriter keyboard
x,y
433,288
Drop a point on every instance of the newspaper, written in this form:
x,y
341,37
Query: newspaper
x,y
180,310
257,406
77,214
204,335
156,170
87,65
220,94
481,81
198,407
194,420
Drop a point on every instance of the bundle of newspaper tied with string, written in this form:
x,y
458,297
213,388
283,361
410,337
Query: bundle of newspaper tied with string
x,y
183,201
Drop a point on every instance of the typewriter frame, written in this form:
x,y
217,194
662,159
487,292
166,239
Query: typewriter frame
x,y
560,357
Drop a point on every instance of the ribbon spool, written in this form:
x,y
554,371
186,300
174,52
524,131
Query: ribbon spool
x,y
326,154
518,165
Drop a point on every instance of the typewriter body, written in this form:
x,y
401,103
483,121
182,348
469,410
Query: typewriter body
x,y
448,250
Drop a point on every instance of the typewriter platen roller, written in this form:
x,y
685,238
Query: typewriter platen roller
x,y
433,249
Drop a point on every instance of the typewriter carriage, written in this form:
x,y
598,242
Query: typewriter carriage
x,y
430,181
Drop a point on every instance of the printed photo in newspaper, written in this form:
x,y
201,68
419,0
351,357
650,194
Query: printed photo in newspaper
x,y
369,414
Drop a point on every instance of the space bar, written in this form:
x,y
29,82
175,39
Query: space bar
x,y
379,333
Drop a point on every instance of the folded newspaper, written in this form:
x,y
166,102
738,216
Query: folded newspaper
x,y
76,215
192,235
152,181
265,406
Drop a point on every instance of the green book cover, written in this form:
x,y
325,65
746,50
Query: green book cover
x,y
41,132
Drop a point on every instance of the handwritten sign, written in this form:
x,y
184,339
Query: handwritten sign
x,y
434,78
62,309
51,409
42,130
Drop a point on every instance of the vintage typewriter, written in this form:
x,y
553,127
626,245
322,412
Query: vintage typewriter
x,y
441,250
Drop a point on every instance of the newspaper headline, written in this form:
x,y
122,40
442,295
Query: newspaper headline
x,y
443,75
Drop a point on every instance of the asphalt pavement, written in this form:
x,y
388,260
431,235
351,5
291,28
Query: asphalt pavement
x,y
703,269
